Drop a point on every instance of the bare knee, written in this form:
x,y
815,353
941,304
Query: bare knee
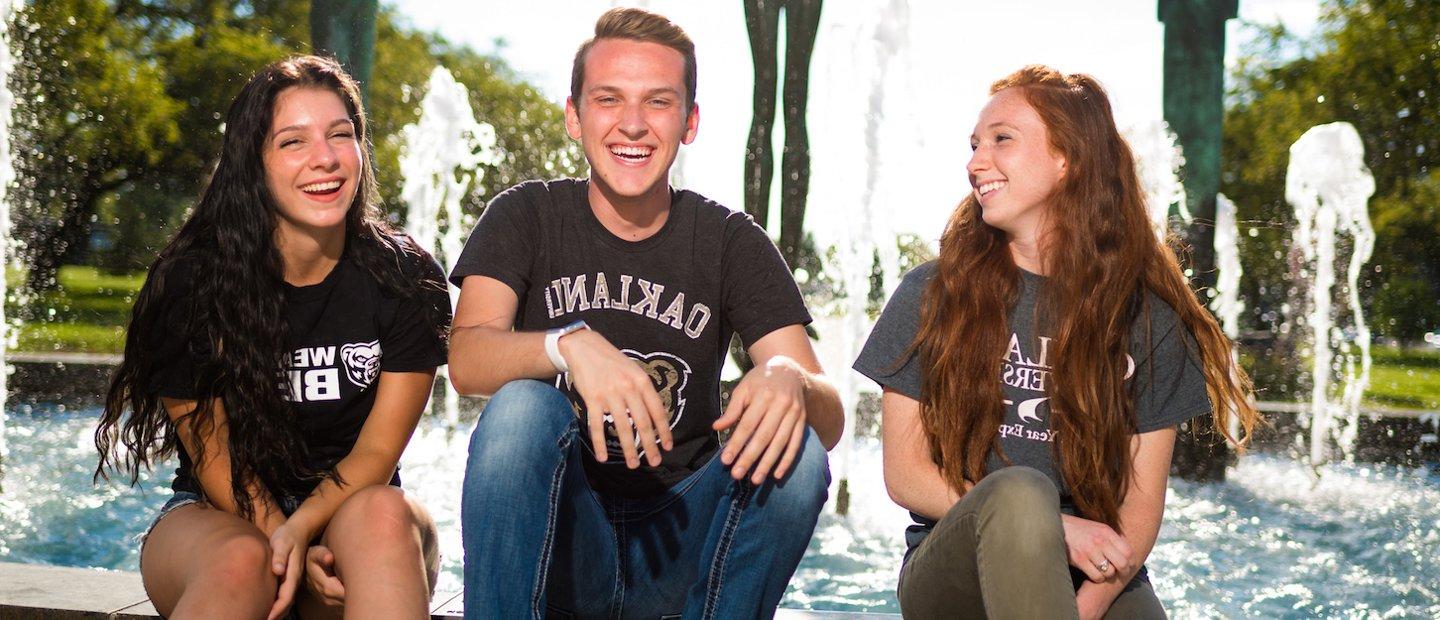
x,y
377,517
240,560
383,541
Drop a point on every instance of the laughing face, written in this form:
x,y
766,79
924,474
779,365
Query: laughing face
x,y
1013,168
631,117
312,160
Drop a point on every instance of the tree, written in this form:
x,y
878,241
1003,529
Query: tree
x,y
121,105
529,129
1376,65
92,115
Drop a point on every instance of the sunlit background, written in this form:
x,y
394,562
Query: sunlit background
x,y
115,109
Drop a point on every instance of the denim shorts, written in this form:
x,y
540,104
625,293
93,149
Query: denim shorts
x,y
288,505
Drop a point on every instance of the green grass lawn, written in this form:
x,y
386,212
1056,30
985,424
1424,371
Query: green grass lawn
x,y
89,311
1408,378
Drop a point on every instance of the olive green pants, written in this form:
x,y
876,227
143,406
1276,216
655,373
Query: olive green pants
x,y
1000,553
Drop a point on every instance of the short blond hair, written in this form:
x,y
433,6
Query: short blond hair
x,y
637,25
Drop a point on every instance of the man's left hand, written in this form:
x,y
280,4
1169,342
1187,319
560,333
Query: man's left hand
x,y
767,411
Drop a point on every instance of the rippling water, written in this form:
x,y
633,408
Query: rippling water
x,y
1275,541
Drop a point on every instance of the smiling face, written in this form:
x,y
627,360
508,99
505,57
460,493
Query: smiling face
x,y
312,161
1012,168
631,117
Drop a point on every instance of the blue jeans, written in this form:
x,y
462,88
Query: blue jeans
x,y
539,541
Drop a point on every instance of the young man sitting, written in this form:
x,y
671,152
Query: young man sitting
x,y
598,313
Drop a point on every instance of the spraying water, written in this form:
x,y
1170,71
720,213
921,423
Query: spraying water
x,y
1227,304
7,176
867,235
1328,185
441,159
1158,160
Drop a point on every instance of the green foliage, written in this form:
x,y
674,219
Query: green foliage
x,y
92,115
1376,65
121,104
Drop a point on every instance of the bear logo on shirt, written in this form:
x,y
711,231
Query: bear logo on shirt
x,y
668,375
362,362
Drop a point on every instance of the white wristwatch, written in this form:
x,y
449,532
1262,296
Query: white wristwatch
x,y
552,343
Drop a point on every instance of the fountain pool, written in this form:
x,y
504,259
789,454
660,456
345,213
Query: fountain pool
x,y
1274,541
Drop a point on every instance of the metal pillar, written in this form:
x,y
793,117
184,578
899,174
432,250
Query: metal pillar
x,y
1194,91
345,30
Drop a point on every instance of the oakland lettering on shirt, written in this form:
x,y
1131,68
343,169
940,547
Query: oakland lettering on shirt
x,y
568,294
669,302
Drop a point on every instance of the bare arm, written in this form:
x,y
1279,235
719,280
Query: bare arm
x,y
399,400
484,353
213,472
911,476
1140,517
790,346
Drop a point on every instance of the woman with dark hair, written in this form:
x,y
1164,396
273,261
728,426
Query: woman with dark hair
x,y
1038,492
284,346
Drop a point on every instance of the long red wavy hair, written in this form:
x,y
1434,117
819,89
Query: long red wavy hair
x,y
1101,256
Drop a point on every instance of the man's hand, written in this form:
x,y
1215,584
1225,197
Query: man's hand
x,y
767,411
1096,549
320,577
610,383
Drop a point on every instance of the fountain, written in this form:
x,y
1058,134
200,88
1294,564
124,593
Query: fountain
x,y
1227,304
440,161
1272,541
864,235
7,176
1158,161
1328,185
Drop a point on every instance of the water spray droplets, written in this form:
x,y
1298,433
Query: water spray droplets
x,y
441,161
1329,187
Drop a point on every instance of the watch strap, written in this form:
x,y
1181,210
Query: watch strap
x,y
552,344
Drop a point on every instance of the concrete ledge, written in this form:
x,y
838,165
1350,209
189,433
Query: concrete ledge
x,y
55,592
35,592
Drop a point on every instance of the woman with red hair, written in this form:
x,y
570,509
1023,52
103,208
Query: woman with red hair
x,y
1041,494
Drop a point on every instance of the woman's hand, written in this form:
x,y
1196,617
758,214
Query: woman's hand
x,y
1095,549
287,558
320,577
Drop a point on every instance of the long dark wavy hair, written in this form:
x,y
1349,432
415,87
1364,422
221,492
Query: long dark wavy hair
x,y
237,329
1102,257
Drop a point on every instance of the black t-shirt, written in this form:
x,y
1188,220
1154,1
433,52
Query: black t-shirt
x,y
671,302
343,332
1166,382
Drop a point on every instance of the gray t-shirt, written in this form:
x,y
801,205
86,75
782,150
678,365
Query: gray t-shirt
x,y
1166,379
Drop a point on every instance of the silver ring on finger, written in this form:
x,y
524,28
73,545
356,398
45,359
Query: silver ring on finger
x,y
1103,566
